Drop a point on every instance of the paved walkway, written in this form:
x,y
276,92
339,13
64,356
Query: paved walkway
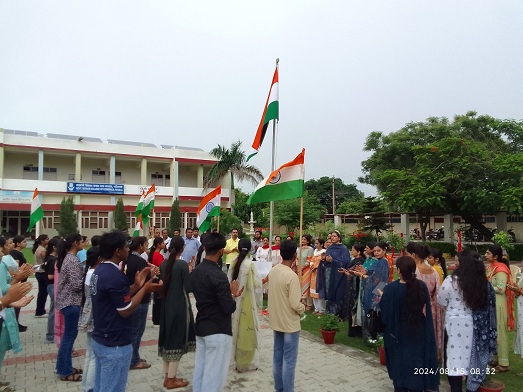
x,y
320,367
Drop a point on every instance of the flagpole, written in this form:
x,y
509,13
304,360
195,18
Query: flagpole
x,y
299,241
271,204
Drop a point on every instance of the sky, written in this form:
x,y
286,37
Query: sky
x,y
197,73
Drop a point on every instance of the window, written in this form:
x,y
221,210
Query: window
x,y
191,219
31,173
161,179
98,176
162,219
51,219
131,220
95,220
71,177
117,177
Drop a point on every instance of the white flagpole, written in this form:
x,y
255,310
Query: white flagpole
x,y
271,204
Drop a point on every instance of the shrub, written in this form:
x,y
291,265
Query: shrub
x,y
330,322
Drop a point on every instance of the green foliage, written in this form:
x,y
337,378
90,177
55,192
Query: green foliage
x,y
358,237
330,322
395,240
68,223
287,212
232,160
120,217
352,207
243,211
444,247
504,240
175,219
323,187
457,167
374,219
324,229
228,221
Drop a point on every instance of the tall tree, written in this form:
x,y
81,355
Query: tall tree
x,y
120,217
287,212
175,219
231,159
325,187
243,211
374,220
468,167
68,223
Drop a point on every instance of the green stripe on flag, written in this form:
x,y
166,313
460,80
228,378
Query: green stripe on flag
x,y
283,191
206,224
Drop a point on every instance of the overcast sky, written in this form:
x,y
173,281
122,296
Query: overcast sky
x,y
197,73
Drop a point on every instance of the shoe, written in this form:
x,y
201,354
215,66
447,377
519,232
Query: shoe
x,y
141,365
501,369
41,315
22,328
172,383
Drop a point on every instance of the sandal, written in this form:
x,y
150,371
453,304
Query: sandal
x,y
5,388
141,365
4,383
72,377
77,371
501,369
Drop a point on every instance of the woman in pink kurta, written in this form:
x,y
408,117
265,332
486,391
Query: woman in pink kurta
x,y
430,277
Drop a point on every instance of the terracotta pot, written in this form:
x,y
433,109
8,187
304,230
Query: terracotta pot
x,y
494,386
383,359
328,336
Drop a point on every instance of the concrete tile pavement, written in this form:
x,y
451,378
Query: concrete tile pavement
x,y
320,367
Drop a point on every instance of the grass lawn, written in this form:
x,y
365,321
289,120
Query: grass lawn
x,y
512,379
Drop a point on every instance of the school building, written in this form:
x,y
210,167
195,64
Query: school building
x,y
96,173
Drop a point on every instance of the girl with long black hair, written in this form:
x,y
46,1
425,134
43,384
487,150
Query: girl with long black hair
x,y
177,335
470,321
39,253
245,322
409,333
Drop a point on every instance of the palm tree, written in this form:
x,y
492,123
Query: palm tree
x,y
234,160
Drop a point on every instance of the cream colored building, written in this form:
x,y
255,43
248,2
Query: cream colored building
x,y
96,173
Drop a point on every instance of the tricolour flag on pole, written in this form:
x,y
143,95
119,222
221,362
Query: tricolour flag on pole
x,y
139,226
37,212
148,204
140,205
270,112
209,207
284,183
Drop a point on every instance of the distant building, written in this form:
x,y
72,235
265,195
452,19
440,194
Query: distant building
x,y
96,174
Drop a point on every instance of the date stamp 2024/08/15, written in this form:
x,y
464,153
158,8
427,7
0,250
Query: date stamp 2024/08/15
x,y
455,371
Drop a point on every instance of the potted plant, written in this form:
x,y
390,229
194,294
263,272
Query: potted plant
x,y
378,343
329,325
491,385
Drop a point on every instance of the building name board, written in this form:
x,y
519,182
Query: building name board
x,y
16,197
89,187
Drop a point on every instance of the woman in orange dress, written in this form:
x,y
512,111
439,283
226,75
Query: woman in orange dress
x,y
305,253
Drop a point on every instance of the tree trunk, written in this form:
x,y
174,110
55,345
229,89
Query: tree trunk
x,y
474,221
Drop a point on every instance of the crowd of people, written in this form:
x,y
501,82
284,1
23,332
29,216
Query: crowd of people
x,y
429,321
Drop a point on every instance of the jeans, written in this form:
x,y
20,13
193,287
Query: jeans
x,y
42,293
139,318
285,356
64,362
89,366
49,336
211,362
112,367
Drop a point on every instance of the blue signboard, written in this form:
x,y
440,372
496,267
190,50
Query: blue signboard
x,y
89,187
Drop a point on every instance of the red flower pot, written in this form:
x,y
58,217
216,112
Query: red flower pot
x,y
328,336
383,359
495,386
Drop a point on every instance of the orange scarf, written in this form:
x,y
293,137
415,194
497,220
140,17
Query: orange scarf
x,y
510,295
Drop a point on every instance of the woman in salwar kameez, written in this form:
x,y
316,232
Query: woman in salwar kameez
x,y
176,336
337,255
318,256
498,274
352,294
305,253
245,321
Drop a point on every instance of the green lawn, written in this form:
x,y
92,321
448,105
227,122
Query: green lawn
x,y
513,379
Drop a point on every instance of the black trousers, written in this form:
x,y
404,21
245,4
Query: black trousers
x,y
41,298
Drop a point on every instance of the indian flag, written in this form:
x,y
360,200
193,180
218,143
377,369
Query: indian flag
x,y
140,205
270,112
284,183
37,212
209,207
139,226
148,204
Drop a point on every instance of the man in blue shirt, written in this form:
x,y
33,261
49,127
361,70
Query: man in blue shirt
x,y
191,246
113,302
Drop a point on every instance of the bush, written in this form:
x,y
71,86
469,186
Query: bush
x,y
444,247
330,322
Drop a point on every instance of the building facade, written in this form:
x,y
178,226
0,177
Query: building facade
x,y
96,173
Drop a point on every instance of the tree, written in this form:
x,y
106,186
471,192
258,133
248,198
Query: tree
x,y
323,187
175,219
352,207
287,212
231,159
469,167
68,223
243,211
374,219
228,221
120,217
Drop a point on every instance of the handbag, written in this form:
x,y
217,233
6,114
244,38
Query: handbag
x,y
374,323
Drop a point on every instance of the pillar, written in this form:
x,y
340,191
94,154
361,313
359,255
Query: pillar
x,y
78,167
143,174
448,227
199,179
405,226
40,165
